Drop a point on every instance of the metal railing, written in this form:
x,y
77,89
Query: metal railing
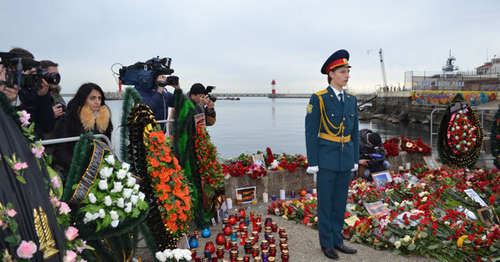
x,y
73,139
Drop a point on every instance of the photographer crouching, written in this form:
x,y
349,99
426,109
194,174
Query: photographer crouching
x,y
204,103
371,154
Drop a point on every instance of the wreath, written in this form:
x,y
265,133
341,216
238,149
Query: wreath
x,y
210,169
495,139
168,183
460,135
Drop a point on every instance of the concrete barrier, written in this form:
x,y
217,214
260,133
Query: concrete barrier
x,y
278,180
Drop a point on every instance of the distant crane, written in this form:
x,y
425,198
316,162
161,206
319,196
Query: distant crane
x,y
384,78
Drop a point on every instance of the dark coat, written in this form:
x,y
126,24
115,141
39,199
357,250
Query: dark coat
x,y
365,149
69,126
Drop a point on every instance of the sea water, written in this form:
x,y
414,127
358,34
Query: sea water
x,y
252,124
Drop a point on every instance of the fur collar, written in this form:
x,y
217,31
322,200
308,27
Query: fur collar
x,y
89,121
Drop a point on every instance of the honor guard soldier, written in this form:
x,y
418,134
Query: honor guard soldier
x,y
332,143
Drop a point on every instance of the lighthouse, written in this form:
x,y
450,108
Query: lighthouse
x,y
273,83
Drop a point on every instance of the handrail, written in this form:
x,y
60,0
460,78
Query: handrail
x,y
157,121
74,139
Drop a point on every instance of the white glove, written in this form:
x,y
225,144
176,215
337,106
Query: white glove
x,y
356,165
312,169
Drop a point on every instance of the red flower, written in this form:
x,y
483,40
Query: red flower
x,y
492,199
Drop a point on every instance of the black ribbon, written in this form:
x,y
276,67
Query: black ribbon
x,y
90,174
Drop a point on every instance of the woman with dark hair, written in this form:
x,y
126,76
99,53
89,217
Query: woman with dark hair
x,y
87,112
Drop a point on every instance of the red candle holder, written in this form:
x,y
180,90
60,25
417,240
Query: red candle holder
x,y
210,246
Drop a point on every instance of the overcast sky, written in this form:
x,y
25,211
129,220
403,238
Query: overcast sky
x,y
242,45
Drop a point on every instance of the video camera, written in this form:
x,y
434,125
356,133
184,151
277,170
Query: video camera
x,y
16,63
211,96
143,74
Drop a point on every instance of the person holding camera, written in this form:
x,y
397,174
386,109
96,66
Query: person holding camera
x,y
58,103
203,102
158,98
33,95
371,154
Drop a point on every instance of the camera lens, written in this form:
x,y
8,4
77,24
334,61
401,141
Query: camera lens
x,y
52,78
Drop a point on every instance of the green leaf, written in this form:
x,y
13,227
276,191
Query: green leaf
x,y
13,240
21,179
424,234
387,233
412,247
432,247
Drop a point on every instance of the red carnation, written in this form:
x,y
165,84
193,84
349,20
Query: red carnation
x,y
492,199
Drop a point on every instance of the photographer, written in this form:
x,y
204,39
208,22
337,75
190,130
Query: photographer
x,y
203,101
57,102
33,95
371,153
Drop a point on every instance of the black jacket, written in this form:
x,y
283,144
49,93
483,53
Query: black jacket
x,y
365,149
69,126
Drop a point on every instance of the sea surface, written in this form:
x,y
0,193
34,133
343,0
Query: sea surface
x,y
252,124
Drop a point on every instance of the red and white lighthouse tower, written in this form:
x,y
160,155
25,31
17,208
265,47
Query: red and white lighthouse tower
x,y
273,83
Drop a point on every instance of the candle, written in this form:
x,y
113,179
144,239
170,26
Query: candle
x,y
315,191
400,168
408,166
282,194
229,203
264,197
239,197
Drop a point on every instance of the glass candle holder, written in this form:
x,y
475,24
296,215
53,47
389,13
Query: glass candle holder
x,y
255,251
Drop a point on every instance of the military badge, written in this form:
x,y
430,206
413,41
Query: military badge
x,y
309,108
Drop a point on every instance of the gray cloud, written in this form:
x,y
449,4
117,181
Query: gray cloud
x,y
243,45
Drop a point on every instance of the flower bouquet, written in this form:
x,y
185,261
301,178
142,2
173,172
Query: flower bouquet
x,y
429,214
460,136
170,188
396,144
209,167
115,198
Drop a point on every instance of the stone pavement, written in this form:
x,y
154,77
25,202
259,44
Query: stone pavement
x,y
303,243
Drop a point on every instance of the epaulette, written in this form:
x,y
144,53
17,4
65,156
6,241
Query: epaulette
x,y
322,92
350,94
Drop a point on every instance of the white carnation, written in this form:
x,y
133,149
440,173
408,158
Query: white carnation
x,y
95,216
130,182
134,199
125,166
107,201
177,254
136,187
114,223
117,187
121,174
114,215
160,256
87,218
103,184
407,238
102,214
120,202
92,198
106,172
127,192
110,159
141,196
128,207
